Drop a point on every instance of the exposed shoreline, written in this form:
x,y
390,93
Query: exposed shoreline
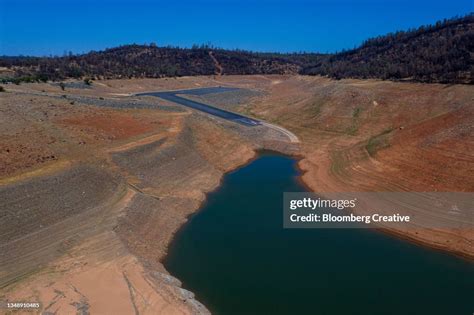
x,y
298,157
191,154
394,232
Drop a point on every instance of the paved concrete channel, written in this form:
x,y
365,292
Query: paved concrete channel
x,y
172,96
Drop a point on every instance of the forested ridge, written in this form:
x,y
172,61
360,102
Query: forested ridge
x,y
442,52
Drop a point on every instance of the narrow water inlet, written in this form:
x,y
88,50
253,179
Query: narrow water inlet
x,y
236,257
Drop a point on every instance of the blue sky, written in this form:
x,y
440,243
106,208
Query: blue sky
x,y
53,27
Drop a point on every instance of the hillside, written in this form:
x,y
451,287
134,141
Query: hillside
x,y
435,53
150,61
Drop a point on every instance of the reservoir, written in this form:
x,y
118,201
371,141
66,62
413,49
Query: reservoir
x,y
236,257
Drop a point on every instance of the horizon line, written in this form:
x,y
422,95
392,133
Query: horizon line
x,y
209,43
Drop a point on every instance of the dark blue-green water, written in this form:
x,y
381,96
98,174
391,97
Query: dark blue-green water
x,y
236,257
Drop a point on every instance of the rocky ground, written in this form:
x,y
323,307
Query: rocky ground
x,y
94,181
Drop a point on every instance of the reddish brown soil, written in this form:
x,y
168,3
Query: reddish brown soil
x,y
83,242
117,126
166,161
